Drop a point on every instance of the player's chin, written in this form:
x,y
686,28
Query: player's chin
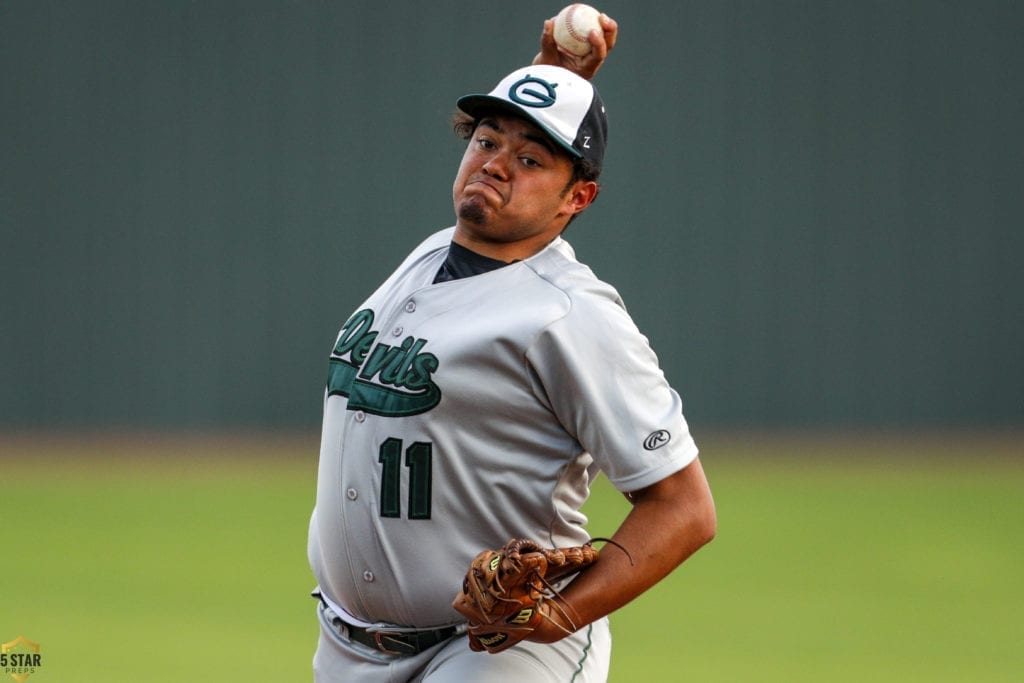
x,y
472,209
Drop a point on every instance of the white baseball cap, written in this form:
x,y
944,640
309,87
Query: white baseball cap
x,y
564,105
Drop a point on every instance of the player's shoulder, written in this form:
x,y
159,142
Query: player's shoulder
x,y
558,266
425,251
592,309
434,243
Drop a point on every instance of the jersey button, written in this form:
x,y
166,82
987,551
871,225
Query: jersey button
x,y
410,307
397,332
360,416
368,576
352,494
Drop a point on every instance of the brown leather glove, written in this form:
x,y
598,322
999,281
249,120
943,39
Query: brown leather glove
x,y
508,592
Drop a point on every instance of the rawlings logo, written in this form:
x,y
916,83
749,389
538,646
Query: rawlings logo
x,y
657,440
392,381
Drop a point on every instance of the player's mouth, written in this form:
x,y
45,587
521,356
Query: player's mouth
x,y
478,183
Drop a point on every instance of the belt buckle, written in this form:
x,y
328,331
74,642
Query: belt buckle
x,y
380,636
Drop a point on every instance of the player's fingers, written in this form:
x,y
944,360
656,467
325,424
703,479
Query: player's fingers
x,y
604,40
548,47
588,65
547,34
598,47
611,29
601,43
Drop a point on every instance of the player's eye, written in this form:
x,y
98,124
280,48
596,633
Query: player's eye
x,y
486,143
530,162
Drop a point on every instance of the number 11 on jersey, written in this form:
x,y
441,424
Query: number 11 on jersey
x,y
418,459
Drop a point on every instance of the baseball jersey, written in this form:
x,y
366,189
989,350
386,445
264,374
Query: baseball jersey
x,y
460,414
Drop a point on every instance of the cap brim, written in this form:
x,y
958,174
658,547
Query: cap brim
x,y
477,105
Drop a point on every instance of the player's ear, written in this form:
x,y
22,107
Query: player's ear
x,y
580,195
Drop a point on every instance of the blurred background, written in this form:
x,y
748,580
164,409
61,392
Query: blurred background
x,y
813,209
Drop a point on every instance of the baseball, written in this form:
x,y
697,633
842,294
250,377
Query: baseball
x,y
572,26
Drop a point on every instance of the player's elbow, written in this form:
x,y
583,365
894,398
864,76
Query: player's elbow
x,y
698,505
696,528
703,516
707,523
703,520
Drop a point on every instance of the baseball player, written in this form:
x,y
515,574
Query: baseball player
x,y
474,396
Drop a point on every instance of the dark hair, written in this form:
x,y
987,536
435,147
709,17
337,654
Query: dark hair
x,y
582,169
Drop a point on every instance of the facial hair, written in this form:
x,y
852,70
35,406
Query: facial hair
x,y
471,210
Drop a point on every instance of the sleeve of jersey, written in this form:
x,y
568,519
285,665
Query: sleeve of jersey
x,y
602,380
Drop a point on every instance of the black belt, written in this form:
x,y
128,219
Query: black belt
x,y
392,642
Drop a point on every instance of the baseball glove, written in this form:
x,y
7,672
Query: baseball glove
x,y
507,593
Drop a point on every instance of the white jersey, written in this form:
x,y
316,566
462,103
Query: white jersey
x,y
461,414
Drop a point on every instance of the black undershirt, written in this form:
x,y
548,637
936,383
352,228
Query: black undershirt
x,y
462,262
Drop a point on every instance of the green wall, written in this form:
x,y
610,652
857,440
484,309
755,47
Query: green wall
x,y
813,209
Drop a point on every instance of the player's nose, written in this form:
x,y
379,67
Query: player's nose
x,y
496,167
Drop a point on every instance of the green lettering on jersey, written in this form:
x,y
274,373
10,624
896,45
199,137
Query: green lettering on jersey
x,y
392,381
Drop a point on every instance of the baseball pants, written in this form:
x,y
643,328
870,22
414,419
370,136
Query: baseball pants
x,y
580,658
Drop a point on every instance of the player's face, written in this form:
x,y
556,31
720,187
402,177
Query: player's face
x,y
511,196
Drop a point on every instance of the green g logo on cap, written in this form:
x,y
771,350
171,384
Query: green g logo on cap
x,y
528,97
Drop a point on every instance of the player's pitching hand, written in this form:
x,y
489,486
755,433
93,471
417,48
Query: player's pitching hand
x,y
586,66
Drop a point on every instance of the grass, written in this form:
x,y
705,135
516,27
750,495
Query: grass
x,y
885,559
